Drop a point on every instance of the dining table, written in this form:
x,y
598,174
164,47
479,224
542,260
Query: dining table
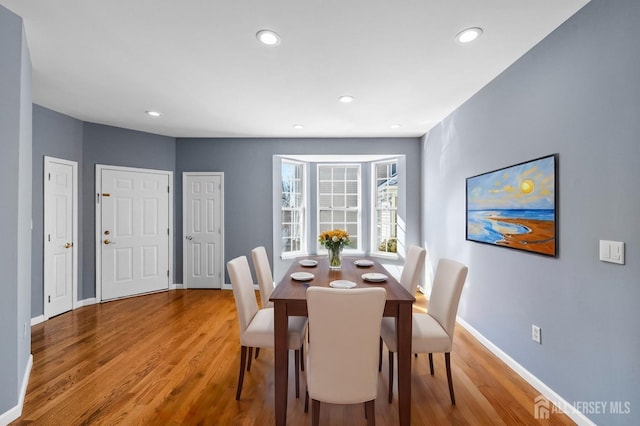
x,y
290,299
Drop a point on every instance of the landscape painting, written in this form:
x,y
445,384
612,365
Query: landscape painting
x,y
515,206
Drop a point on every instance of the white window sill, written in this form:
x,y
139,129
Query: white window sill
x,y
294,255
383,255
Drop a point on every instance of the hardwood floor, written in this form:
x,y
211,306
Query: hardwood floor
x,y
172,358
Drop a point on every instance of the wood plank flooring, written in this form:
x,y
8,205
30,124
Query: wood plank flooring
x,y
172,358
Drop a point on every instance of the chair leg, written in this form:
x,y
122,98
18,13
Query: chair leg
x,y
315,412
243,353
380,356
370,412
297,360
431,362
257,352
390,377
447,361
306,400
302,356
250,358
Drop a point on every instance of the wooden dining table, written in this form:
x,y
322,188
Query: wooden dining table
x,y
290,299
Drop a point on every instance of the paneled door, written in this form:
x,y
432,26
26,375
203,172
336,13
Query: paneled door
x,y
60,235
134,232
203,254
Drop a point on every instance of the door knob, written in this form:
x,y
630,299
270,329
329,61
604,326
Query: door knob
x,y
108,242
107,232
68,245
189,237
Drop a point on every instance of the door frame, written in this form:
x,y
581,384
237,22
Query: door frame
x,y
184,223
98,223
46,224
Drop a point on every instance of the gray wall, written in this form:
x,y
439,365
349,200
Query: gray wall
x,y
247,166
15,207
55,135
115,147
576,94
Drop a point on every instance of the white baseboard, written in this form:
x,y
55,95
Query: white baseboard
x,y
37,320
85,302
544,390
175,286
15,412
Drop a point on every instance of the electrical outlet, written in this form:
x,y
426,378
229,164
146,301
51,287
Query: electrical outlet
x,y
536,334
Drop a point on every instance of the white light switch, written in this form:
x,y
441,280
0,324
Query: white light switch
x,y
612,251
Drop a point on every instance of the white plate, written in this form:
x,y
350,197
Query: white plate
x,y
308,262
374,277
342,284
363,262
302,276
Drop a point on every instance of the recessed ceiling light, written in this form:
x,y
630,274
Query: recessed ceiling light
x,y
268,37
395,126
468,35
153,113
298,126
346,99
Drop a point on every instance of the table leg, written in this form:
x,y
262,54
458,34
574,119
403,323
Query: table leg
x,y
281,361
403,325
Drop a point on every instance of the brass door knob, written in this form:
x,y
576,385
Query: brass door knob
x,y
68,245
107,241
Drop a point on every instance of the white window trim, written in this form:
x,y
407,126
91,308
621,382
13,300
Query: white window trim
x,y
373,208
304,223
348,251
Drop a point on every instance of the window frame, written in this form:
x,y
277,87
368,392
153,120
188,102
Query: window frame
x,y
302,209
374,209
358,209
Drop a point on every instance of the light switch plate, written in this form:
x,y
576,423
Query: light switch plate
x,y
612,251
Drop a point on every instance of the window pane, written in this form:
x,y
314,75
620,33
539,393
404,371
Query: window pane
x,y
324,201
352,216
386,201
338,201
339,216
338,173
325,216
324,173
352,173
352,201
292,202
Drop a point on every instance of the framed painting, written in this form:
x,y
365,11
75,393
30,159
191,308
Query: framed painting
x,y
516,206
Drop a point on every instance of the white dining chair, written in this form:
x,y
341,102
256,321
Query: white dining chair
x,y
433,331
413,266
263,274
257,325
341,358
266,286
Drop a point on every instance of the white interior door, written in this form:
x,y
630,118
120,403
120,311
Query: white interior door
x,y
134,231
60,230
203,254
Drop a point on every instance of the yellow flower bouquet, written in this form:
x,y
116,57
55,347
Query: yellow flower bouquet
x,y
334,241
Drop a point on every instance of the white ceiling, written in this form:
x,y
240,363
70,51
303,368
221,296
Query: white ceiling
x,y
198,61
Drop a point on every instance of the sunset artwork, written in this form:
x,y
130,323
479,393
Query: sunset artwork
x,y
515,207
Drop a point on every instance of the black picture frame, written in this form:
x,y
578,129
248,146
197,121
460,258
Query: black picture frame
x,y
515,206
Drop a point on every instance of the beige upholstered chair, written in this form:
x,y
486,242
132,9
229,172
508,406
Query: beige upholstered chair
x,y
263,274
256,325
433,331
413,266
266,286
341,357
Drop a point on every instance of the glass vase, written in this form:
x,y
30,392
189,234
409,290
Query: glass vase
x,y
335,257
